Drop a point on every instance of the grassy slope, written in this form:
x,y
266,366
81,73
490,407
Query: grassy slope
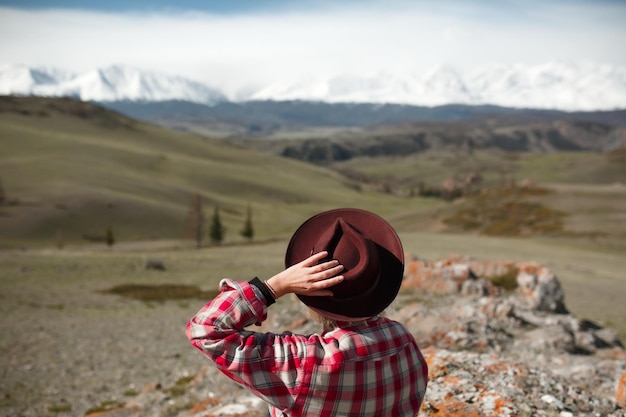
x,y
588,186
81,174
37,280
433,167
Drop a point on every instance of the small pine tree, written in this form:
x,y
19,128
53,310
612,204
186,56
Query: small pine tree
x,y
216,233
248,229
109,237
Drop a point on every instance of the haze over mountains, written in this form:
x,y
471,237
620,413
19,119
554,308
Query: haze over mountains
x,y
558,86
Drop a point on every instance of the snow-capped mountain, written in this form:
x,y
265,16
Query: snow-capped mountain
x,y
571,87
438,86
113,83
583,87
553,85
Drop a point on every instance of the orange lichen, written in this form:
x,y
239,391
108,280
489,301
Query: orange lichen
x,y
503,405
203,405
496,403
620,394
452,380
450,408
496,368
437,366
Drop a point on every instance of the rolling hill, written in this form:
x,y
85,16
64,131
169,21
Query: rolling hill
x,y
71,169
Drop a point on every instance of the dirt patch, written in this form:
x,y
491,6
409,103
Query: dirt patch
x,y
161,292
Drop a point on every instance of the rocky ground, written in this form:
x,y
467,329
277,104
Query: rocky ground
x,y
498,339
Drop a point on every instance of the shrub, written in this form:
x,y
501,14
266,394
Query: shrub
x,y
180,387
506,281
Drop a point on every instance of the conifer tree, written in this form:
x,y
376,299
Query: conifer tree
x,y
216,233
248,229
108,236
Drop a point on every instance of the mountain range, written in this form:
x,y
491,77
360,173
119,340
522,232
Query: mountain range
x,y
110,84
557,86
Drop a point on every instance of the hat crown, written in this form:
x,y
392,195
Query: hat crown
x,y
355,252
368,248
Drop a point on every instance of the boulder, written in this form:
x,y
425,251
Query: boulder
x,y
540,290
155,265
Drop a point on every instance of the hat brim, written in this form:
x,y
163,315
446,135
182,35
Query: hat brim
x,y
390,252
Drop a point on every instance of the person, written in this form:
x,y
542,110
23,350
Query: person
x,y
346,265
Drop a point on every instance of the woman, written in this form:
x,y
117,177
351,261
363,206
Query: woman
x,y
347,266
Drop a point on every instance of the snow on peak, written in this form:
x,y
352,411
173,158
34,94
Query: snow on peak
x,y
21,79
113,83
550,86
553,85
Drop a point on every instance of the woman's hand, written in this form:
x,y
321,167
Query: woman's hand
x,y
307,277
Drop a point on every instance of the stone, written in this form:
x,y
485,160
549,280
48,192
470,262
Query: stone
x,y
155,265
551,338
540,289
550,399
607,337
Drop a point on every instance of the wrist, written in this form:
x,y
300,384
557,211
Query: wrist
x,y
270,298
269,287
274,285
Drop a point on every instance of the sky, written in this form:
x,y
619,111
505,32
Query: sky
x,y
231,44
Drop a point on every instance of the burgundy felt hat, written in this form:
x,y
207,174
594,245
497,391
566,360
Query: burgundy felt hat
x,y
368,248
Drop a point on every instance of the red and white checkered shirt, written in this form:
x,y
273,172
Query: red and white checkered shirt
x,y
367,368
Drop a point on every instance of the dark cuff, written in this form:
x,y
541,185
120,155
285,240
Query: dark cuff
x,y
264,290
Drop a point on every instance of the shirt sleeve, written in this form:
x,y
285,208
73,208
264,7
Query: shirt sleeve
x,y
268,364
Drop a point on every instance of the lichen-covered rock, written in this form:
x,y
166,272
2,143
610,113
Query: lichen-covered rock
x,y
540,289
473,384
549,338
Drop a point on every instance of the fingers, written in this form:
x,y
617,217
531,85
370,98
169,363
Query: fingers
x,y
320,288
312,262
329,282
329,270
317,278
327,278
323,271
315,258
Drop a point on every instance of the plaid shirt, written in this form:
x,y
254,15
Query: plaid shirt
x,y
367,368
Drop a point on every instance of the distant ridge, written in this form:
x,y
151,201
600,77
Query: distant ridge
x,y
554,86
261,118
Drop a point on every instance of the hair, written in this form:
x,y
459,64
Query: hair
x,y
327,323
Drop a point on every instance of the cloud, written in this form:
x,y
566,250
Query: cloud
x,y
229,51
